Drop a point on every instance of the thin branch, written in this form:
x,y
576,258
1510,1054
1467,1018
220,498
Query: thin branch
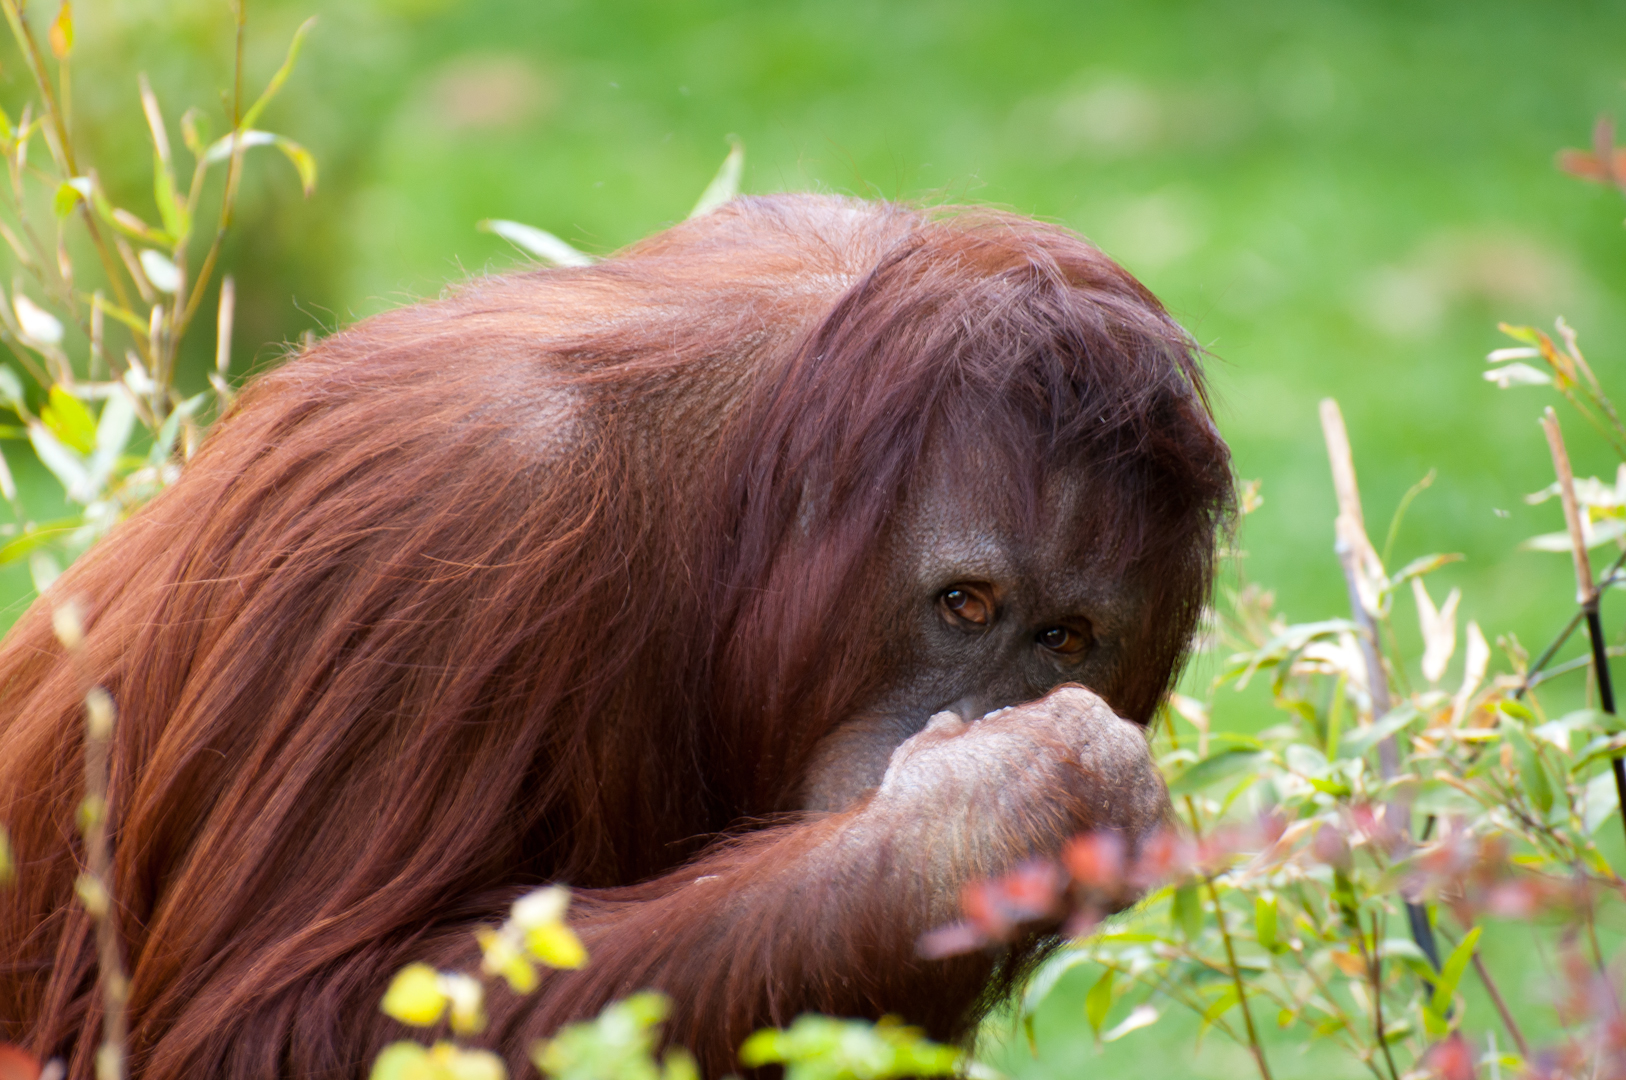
x,y
1501,1007
95,885
62,144
234,170
1586,592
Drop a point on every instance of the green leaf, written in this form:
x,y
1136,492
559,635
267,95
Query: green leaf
x,y
1265,922
825,1048
538,242
281,75
619,1042
69,194
1603,747
177,220
69,420
1186,910
1214,769
1418,567
304,162
1439,798
1451,972
195,131
725,185
1532,775
1098,1002
39,536
1335,716
1517,709
1217,1008
1359,741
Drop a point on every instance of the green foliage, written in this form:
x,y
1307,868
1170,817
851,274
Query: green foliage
x,y
618,1045
1382,796
824,1048
442,1061
99,335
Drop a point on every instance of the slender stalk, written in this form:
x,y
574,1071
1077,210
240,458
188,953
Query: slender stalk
x,y
1232,968
228,199
1355,549
95,885
1236,980
1501,1006
1374,967
64,146
1586,592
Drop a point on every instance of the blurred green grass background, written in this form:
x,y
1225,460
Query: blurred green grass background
x,y
1336,198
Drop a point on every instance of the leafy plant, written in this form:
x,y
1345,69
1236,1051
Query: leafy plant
x,y
99,342
1337,871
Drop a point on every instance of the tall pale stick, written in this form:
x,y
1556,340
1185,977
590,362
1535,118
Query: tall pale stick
x,y
95,886
1361,570
1586,591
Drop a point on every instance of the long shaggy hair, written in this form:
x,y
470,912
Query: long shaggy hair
x,y
556,579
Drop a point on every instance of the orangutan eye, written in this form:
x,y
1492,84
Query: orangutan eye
x,y
965,604
1063,640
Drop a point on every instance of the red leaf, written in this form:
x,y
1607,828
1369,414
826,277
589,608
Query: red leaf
x,y
17,1065
1450,1060
1096,861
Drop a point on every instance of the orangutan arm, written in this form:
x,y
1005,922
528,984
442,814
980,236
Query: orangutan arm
x,y
824,915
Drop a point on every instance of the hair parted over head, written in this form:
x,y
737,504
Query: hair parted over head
x,y
553,579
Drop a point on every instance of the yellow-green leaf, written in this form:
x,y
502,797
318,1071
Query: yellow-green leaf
x,y
1187,910
556,945
195,131
500,956
402,1061
457,1063
1451,971
1098,1001
1213,769
1226,1000
61,33
304,163
68,194
281,75
69,420
1264,922
415,996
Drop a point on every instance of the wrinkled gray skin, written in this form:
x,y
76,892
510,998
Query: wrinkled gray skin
x,y
953,678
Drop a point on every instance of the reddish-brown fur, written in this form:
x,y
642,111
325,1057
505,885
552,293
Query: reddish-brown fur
x,y
562,579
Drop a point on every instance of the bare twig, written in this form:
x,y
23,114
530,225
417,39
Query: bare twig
x,y
1501,1006
1586,593
61,142
95,885
1254,1044
1360,563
